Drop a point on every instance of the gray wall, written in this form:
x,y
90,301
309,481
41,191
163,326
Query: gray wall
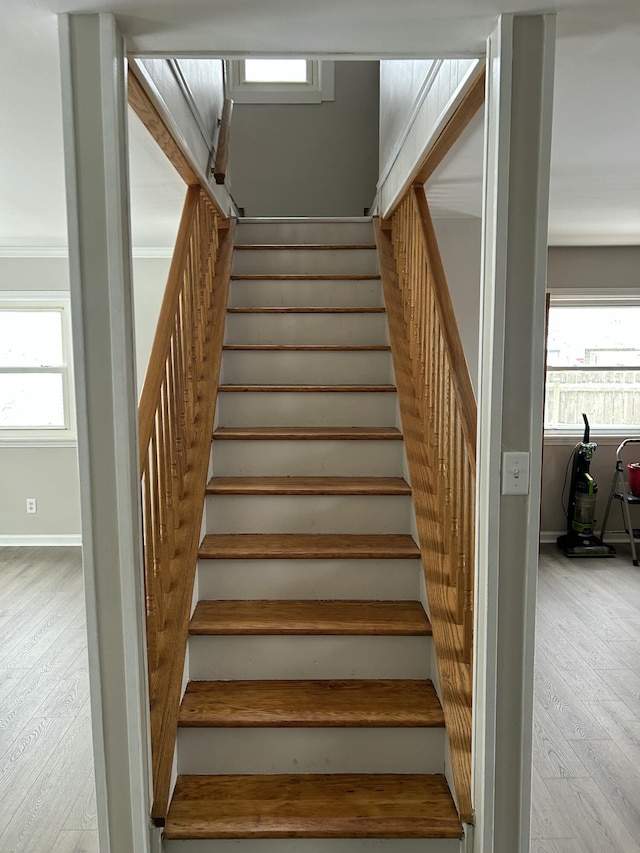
x,y
50,474
600,269
309,159
595,268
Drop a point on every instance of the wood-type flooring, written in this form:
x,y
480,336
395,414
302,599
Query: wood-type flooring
x,y
47,799
586,781
586,748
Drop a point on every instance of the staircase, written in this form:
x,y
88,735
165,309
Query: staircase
x,y
309,721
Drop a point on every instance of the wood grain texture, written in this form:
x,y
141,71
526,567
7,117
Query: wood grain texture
x,y
46,761
307,433
349,618
176,590
261,247
144,108
313,806
304,389
271,309
305,277
307,347
452,130
353,702
454,672
224,134
587,712
308,486
303,546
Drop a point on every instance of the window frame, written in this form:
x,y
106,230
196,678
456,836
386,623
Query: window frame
x,y
623,297
44,436
320,84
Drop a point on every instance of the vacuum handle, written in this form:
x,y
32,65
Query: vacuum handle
x,y
587,430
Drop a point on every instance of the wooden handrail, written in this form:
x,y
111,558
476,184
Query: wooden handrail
x,y
450,332
446,139
222,151
438,411
175,426
149,115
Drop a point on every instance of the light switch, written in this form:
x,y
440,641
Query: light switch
x,y
515,473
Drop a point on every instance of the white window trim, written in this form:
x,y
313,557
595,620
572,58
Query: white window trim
x,y
46,436
578,298
320,85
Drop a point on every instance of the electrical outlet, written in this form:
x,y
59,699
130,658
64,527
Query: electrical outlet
x,y
32,505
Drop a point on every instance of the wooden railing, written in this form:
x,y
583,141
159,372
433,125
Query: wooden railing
x,y
438,412
175,425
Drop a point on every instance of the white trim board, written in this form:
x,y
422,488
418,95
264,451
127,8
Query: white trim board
x,y
41,540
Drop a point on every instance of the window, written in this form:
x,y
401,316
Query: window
x,y
36,400
280,81
593,365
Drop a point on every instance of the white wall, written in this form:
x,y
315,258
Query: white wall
x,y
459,241
191,111
50,474
309,159
417,98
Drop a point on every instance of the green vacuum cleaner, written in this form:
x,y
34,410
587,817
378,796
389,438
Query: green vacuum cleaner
x,y
580,539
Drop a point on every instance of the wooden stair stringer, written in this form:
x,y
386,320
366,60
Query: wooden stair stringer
x,y
455,675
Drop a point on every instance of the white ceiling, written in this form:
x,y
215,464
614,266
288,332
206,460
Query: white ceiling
x,y
595,191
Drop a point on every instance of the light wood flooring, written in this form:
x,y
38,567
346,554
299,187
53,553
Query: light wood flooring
x,y
586,794
586,773
47,800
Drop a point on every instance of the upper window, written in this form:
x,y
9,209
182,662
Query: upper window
x,y
280,81
593,366
36,401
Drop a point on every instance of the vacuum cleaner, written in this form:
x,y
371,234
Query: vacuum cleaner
x,y
580,539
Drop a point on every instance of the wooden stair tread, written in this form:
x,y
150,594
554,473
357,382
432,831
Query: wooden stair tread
x,y
310,388
307,433
308,486
307,546
288,246
297,309
307,347
313,806
348,618
355,702
305,277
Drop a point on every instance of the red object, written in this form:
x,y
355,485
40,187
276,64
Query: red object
x,y
634,478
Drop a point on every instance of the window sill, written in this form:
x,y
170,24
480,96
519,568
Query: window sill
x,y
613,439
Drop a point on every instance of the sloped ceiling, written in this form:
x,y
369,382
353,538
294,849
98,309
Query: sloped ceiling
x,y
595,191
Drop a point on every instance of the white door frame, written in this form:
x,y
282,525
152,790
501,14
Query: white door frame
x,y
520,67
93,68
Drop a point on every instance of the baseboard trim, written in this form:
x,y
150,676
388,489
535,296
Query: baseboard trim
x,y
615,537
18,540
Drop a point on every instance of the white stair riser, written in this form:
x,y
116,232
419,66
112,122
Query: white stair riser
x,y
327,231
241,367
316,845
305,262
312,408
308,514
350,329
379,580
294,458
303,293
276,657
310,750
